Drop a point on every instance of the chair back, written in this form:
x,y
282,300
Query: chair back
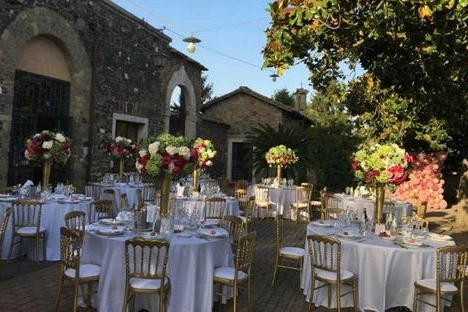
x,y
262,195
123,205
93,190
325,254
279,231
146,259
235,226
303,195
334,206
242,198
241,184
26,213
307,184
70,250
245,252
149,193
451,265
101,209
3,226
215,208
108,194
76,220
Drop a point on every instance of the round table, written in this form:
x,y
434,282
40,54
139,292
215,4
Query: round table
x,y
386,271
190,269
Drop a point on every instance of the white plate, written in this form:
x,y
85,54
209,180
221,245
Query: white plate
x,y
326,223
110,231
349,235
440,237
412,242
216,232
109,221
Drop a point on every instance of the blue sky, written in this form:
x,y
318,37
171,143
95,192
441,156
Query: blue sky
x,y
232,34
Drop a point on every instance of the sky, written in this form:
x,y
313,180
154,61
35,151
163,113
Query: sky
x,y
232,38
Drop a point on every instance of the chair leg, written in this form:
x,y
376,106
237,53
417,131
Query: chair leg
x,y
75,296
415,300
355,296
59,291
462,299
249,307
338,298
37,248
44,247
276,268
234,303
12,243
311,299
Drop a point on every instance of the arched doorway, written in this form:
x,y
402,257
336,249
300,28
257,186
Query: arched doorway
x,y
41,101
180,108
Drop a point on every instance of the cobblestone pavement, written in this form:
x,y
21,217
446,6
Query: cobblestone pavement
x,y
26,286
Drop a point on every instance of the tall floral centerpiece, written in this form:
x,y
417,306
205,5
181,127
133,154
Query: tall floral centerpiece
x,y
205,154
45,149
379,166
281,157
167,158
122,148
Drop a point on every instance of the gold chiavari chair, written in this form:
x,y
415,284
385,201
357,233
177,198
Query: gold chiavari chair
x,y
449,280
334,207
262,199
71,268
76,220
325,260
235,227
3,228
301,205
145,267
242,198
93,190
318,207
100,209
241,272
26,216
215,208
286,257
248,212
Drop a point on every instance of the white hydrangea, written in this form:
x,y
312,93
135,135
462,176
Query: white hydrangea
x,y
47,144
172,150
142,152
119,139
184,151
153,148
59,137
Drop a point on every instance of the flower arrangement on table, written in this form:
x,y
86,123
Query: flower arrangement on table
x,y
45,149
167,157
122,148
205,153
47,146
425,184
281,155
378,164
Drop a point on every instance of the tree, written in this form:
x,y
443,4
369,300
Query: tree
x,y
414,53
207,89
284,96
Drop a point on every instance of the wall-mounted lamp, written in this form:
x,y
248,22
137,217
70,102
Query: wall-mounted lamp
x,y
191,43
274,76
159,58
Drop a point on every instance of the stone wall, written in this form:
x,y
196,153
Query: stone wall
x,y
109,52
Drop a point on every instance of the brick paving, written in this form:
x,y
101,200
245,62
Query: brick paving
x,y
26,286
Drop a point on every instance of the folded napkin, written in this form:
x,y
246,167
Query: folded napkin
x,y
215,232
27,184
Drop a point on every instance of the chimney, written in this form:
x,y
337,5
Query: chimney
x,y
300,99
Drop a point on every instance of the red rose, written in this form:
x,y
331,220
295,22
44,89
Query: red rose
x,y
397,175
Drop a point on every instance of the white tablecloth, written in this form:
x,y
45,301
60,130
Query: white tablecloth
x,y
119,189
190,270
347,201
281,198
386,272
52,219
232,207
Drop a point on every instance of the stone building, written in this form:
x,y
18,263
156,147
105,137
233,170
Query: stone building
x,y
240,111
93,71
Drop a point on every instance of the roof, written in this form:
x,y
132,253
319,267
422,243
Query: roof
x,y
246,90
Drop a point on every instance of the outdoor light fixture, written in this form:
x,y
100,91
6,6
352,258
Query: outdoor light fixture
x,y
158,58
274,76
191,43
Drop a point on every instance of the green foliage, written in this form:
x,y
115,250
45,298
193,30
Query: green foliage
x,y
284,96
413,52
207,89
264,137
